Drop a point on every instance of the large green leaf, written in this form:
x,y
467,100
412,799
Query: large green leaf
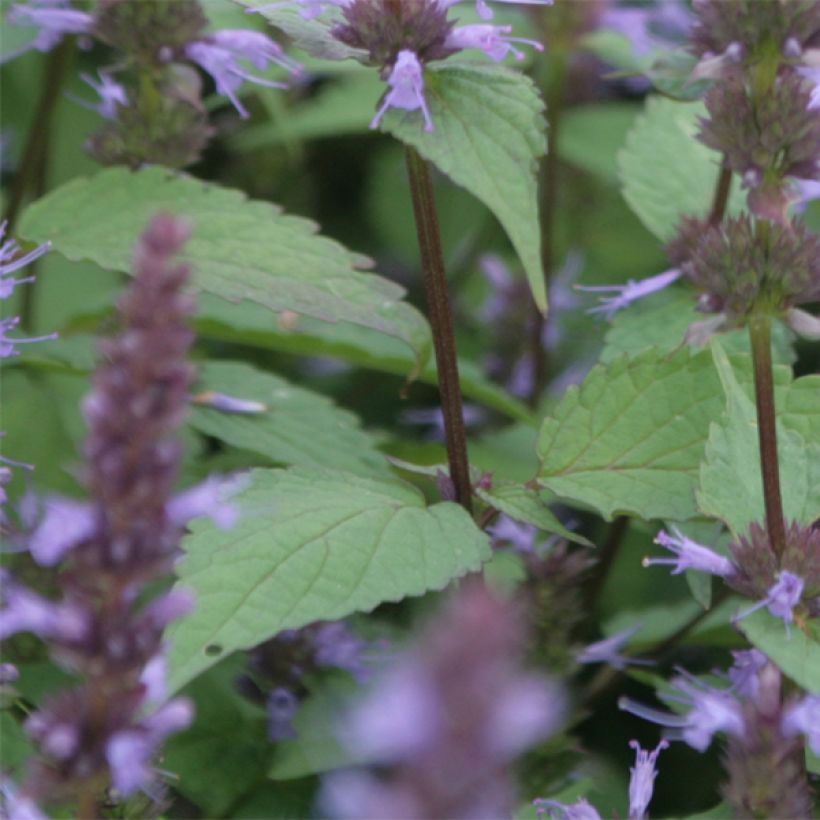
x,y
731,487
250,324
489,132
313,545
299,427
240,249
630,438
797,654
799,408
666,173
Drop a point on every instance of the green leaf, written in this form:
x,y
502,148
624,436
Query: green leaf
x,y
666,173
731,487
240,249
300,427
208,771
630,438
797,654
313,545
529,506
591,136
250,324
799,408
489,132
15,743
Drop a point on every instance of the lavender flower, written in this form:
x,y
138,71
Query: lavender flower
x,y
11,262
711,711
494,41
608,650
219,54
448,718
582,809
110,92
8,346
690,555
783,596
54,18
630,292
803,718
406,92
228,404
642,778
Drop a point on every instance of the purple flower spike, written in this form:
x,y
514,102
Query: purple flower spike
x,y
642,779
492,40
406,83
630,292
580,810
781,599
690,555
803,718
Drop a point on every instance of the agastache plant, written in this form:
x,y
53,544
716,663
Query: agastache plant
x,y
109,728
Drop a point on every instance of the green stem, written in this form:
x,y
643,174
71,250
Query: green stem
x,y
32,162
441,320
548,211
761,338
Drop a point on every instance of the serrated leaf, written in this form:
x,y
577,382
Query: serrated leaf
x,y
240,249
630,438
731,487
797,654
313,545
665,172
489,132
299,427
528,506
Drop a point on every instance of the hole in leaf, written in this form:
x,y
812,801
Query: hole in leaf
x,y
213,649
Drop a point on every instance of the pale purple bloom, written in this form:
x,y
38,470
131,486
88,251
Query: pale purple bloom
x,y
25,611
484,10
519,535
649,27
803,718
781,599
745,672
281,707
64,525
406,91
608,650
690,555
712,66
7,345
210,498
228,404
17,806
9,264
129,752
110,92
154,678
494,41
8,673
582,809
642,779
219,55
54,21
336,646
630,292
170,606
711,711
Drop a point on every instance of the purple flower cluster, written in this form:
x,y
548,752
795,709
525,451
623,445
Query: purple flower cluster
x,y
402,37
110,548
447,720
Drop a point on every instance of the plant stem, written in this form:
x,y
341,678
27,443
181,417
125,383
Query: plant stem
x,y
761,338
32,163
606,558
549,208
721,197
441,320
